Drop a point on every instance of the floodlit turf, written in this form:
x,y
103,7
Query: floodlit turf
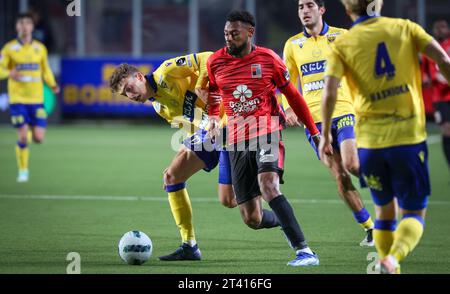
x,y
121,165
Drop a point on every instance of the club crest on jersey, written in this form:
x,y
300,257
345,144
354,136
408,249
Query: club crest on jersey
x,y
256,71
332,37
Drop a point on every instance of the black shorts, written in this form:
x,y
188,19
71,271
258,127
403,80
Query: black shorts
x,y
442,112
249,159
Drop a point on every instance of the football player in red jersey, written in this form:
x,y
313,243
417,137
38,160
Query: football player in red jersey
x,y
441,101
246,76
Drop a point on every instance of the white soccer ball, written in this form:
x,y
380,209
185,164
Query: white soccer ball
x,y
135,247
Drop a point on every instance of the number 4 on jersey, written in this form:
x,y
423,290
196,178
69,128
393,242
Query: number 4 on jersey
x,y
383,64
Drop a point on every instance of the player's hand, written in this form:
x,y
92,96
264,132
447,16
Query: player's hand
x,y
15,75
213,127
291,118
202,94
325,148
56,89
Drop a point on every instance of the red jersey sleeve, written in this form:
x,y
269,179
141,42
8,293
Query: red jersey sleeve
x,y
214,98
298,104
281,75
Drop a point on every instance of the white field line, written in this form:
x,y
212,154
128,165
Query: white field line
x,y
164,199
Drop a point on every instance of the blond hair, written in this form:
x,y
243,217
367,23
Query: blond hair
x,y
363,7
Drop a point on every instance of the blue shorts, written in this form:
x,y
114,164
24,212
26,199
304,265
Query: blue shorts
x,y
202,145
342,128
224,168
400,172
30,114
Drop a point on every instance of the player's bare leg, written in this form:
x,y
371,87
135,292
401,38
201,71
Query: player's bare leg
x,y
38,134
185,164
227,196
22,154
349,154
347,191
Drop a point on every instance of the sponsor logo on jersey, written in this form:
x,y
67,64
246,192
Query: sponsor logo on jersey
x,y
245,103
27,66
181,61
300,42
313,86
189,105
313,67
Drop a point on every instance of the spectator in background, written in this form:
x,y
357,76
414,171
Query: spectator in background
x,y
440,89
42,30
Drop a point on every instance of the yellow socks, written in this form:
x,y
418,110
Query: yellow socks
x,y
182,211
364,219
400,241
22,155
407,236
383,235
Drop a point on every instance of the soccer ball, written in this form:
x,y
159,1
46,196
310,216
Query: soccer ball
x,y
135,247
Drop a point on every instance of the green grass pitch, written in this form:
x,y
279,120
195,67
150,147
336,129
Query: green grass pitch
x,y
90,184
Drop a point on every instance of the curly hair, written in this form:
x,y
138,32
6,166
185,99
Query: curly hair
x,y
122,72
242,16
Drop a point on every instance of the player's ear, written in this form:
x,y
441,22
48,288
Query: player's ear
x,y
251,31
139,76
322,10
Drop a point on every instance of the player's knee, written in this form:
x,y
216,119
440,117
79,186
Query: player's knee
x,y
344,182
252,222
169,178
38,139
269,189
352,166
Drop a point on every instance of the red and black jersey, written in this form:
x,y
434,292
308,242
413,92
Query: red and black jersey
x,y
247,87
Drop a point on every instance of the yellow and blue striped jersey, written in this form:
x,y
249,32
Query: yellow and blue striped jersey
x,y
380,58
305,58
30,60
175,82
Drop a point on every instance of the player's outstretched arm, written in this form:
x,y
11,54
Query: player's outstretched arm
x,y
298,104
438,54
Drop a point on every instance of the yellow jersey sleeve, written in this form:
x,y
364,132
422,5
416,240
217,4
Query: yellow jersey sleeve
x,y
203,80
335,65
420,37
4,63
292,68
47,73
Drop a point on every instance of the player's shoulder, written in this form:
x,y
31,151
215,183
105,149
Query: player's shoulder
x,y
13,44
266,53
296,39
218,57
336,31
38,45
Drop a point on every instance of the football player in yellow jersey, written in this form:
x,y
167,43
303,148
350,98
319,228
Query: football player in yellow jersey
x,y
172,88
379,58
24,62
305,57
